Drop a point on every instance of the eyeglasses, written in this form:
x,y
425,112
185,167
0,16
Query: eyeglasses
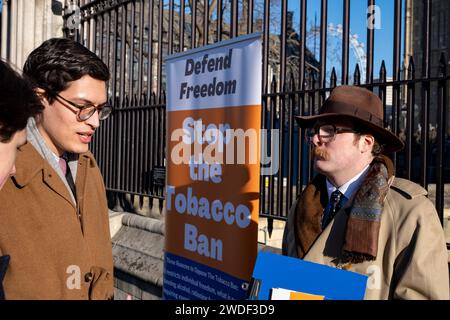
x,y
86,111
326,132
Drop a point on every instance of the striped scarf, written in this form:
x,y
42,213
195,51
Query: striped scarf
x,y
363,224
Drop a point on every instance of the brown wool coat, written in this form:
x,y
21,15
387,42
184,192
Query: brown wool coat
x,y
54,255
411,262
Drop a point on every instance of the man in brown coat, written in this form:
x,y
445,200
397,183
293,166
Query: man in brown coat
x,y
356,215
53,213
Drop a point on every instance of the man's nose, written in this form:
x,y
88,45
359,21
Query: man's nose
x,y
94,120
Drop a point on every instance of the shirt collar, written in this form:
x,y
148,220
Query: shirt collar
x,y
56,156
348,188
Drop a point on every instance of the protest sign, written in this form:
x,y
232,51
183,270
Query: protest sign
x,y
213,165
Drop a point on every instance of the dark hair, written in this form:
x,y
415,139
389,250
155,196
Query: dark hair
x,y
18,102
58,61
377,149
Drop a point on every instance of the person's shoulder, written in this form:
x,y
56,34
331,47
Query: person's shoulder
x,y
90,166
408,189
89,157
407,199
28,164
411,211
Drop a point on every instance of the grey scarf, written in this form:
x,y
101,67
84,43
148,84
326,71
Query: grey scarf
x,y
35,138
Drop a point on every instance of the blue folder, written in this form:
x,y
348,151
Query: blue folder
x,y
277,271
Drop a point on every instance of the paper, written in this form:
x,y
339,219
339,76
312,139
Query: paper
x,y
285,294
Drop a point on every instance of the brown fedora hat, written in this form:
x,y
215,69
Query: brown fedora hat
x,y
361,106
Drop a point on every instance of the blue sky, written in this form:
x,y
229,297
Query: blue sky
x,y
383,37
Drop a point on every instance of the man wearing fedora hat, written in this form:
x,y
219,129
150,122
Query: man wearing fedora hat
x,y
356,215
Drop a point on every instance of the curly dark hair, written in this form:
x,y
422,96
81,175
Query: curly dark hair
x,y
18,102
58,61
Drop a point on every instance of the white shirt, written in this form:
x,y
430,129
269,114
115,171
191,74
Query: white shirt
x,y
349,188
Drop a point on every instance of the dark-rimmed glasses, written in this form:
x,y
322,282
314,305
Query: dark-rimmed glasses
x,y
87,110
326,132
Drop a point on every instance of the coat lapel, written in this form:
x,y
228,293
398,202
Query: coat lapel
x,y
308,215
29,163
80,185
327,249
85,162
53,181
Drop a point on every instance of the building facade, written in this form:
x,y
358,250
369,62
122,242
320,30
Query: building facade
x,y
25,24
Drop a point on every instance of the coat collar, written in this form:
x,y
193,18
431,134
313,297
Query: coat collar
x,y
29,163
407,188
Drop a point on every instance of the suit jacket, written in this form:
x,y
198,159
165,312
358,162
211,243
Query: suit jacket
x,y
57,250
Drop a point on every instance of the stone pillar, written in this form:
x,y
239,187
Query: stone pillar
x,y
29,23
5,20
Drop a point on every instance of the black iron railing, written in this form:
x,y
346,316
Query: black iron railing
x,y
134,36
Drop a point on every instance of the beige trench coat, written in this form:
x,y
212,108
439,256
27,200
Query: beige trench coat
x,y
412,261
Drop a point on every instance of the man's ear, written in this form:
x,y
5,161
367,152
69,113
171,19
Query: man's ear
x,y
42,96
367,143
